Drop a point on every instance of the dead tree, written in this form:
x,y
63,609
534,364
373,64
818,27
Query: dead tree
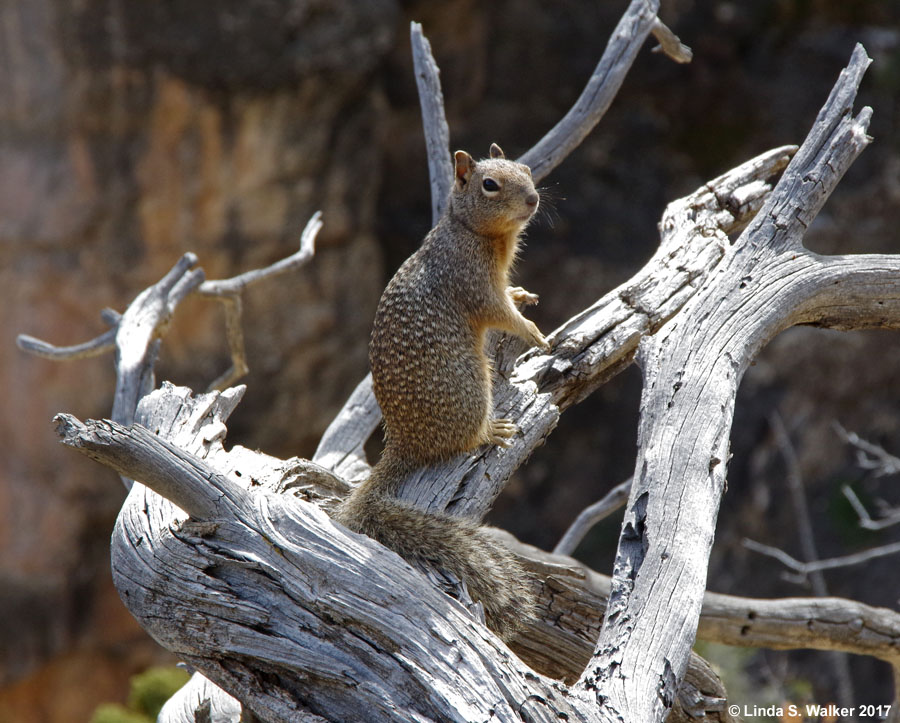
x,y
230,560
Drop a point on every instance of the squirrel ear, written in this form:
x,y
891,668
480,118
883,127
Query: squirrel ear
x,y
465,164
497,151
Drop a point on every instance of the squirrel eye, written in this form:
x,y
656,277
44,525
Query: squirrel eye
x,y
490,185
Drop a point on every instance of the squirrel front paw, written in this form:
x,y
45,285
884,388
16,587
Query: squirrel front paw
x,y
518,295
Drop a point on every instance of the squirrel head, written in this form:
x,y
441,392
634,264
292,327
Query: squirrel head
x,y
494,196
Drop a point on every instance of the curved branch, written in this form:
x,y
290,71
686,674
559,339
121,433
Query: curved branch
x,y
95,347
591,515
301,256
139,330
670,44
831,563
624,43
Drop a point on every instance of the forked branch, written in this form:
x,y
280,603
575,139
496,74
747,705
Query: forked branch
x,y
692,367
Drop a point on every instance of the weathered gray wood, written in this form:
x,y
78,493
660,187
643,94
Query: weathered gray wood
x,y
139,331
199,696
342,447
692,368
434,120
268,603
573,596
602,340
95,347
670,44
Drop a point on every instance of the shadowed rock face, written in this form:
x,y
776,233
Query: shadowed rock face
x,y
131,132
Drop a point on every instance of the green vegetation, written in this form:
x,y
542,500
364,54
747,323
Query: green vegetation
x,y
149,691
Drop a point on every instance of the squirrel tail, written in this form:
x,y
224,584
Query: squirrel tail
x,y
493,575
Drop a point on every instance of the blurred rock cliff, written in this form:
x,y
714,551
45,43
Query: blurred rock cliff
x,y
134,131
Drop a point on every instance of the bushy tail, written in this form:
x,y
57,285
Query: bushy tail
x,y
493,576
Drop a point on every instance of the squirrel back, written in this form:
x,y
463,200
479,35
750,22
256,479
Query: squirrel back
x,y
432,378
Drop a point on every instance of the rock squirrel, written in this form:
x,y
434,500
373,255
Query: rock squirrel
x,y
432,378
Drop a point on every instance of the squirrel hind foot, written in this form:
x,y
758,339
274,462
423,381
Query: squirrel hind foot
x,y
501,431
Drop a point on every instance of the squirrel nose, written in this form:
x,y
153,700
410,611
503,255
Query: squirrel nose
x,y
532,198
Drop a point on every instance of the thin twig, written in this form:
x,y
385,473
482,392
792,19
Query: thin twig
x,y
798,498
590,516
870,456
228,293
297,259
808,545
865,519
832,563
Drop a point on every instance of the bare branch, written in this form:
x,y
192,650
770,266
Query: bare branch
x,y
591,515
228,291
808,545
574,599
233,306
137,333
95,347
624,43
434,120
790,623
865,519
832,563
870,456
140,328
136,452
805,530
301,256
